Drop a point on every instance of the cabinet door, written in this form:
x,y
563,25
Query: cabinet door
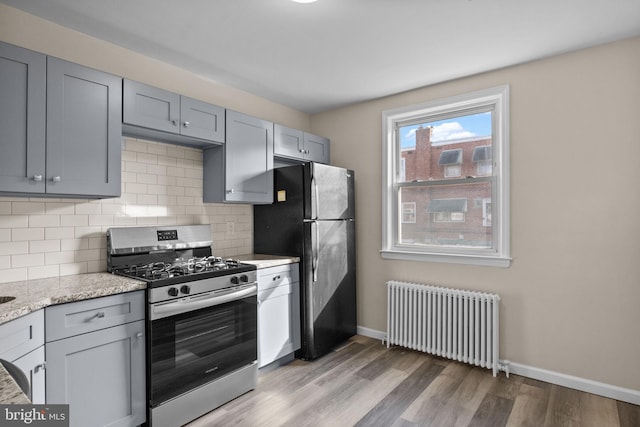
x,y
22,121
201,120
21,336
101,375
248,159
288,142
84,130
278,322
316,148
151,107
33,366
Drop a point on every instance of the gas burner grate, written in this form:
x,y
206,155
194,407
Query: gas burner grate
x,y
179,267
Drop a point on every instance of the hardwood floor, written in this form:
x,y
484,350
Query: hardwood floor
x,y
365,384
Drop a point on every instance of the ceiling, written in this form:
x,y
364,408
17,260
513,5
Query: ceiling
x,y
319,56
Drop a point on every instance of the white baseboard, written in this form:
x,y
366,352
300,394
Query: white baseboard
x,y
577,383
371,333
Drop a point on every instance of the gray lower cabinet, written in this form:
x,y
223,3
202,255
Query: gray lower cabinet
x,y
22,343
295,144
151,112
278,312
96,368
241,171
60,127
33,365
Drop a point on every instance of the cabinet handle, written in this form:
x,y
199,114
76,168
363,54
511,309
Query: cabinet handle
x,y
139,335
174,122
276,278
41,366
56,178
37,178
231,191
186,124
300,150
98,315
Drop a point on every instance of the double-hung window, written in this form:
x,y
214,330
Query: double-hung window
x,y
446,168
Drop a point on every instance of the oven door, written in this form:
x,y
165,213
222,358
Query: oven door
x,y
194,347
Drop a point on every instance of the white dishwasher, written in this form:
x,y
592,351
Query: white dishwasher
x,y
278,312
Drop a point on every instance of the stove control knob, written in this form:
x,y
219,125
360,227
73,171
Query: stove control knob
x,y
235,280
244,278
185,289
173,292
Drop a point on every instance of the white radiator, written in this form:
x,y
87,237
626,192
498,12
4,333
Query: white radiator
x,y
452,323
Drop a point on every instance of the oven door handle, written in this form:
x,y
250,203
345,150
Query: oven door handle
x,y
159,311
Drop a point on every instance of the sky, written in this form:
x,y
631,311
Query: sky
x,y
455,128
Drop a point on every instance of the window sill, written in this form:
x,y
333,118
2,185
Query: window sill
x,y
489,261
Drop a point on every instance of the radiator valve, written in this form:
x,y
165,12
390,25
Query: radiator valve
x,y
504,366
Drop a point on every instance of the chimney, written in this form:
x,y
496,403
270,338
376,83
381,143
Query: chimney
x,y
423,153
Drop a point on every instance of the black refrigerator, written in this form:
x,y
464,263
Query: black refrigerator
x,y
313,218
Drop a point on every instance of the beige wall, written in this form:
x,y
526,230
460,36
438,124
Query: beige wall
x,y
571,299
22,29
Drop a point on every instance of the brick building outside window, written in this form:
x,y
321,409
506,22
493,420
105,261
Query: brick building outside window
x,y
458,214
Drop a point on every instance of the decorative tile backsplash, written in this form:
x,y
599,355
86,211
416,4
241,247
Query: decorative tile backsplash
x,y
161,185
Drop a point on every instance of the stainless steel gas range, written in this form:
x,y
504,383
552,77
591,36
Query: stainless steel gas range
x,y
201,319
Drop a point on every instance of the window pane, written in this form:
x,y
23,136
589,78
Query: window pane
x,y
448,215
457,147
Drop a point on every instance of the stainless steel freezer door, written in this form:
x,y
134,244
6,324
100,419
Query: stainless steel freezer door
x,y
329,288
332,192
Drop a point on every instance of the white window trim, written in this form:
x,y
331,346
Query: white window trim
x,y
499,256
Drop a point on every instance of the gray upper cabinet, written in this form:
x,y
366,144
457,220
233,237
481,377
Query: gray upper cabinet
x,y
60,127
316,148
84,130
150,112
201,120
22,122
288,142
150,107
298,145
242,170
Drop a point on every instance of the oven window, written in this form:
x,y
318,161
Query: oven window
x,y
194,348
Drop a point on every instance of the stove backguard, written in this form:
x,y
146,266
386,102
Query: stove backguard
x,y
117,263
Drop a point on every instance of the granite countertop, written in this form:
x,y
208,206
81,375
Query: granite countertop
x,y
266,261
32,295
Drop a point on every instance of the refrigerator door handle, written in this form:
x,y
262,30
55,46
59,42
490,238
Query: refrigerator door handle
x,y
316,250
316,195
